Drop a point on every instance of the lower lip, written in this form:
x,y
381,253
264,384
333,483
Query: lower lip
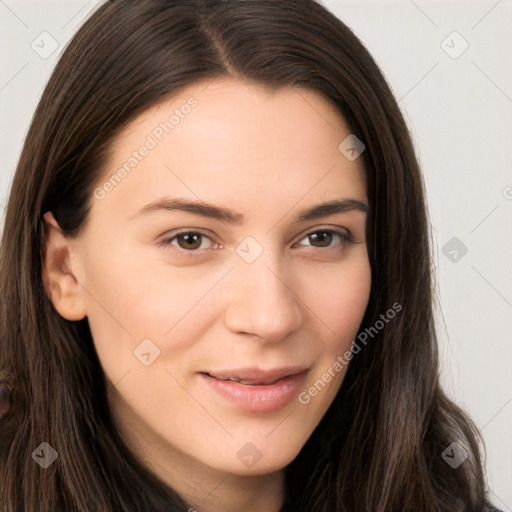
x,y
259,398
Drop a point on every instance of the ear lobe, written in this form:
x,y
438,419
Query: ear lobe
x,y
61,286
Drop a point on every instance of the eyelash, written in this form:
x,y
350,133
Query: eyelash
x,y
345,237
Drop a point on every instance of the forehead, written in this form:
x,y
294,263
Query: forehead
x,y
230,141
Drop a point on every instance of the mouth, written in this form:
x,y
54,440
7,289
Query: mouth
x,y
256,390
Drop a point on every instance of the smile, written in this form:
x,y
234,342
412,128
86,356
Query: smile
x,y
256,390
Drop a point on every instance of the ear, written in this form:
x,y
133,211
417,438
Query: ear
x,y
61,286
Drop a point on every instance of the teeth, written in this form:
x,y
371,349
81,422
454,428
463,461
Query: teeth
x,y
241,381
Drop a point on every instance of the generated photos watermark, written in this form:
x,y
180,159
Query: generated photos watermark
x,y
343,360
156,137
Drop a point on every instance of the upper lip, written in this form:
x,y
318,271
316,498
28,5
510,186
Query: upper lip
x,y
257,376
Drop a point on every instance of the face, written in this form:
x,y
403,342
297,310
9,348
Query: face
x,y
209,259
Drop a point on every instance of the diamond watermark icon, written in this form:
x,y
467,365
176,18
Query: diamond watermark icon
x,y
146,352
455,455
249,249
249,455
454,249
454,45
351,147
44,45
45,455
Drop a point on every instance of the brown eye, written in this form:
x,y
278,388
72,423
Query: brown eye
x,y
186,243
189,241
324,238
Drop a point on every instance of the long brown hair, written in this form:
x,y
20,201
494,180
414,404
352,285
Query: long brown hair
x,y
379,446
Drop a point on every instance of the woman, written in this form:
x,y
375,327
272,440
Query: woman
x,y
223,299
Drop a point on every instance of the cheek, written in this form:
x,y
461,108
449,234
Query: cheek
x,y
341,307
130,304
341,304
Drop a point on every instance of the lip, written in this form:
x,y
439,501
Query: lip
x,y
264,391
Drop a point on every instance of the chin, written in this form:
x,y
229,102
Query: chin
x,y
256,458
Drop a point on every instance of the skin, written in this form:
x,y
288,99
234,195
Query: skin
x,y
268,156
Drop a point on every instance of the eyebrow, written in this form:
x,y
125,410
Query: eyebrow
x,y
205,209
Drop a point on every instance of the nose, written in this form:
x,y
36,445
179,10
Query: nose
x,y
262,301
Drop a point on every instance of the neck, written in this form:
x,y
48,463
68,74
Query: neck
x,y
232,493
207,489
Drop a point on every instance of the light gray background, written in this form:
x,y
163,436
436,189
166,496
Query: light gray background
x,y
459,112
